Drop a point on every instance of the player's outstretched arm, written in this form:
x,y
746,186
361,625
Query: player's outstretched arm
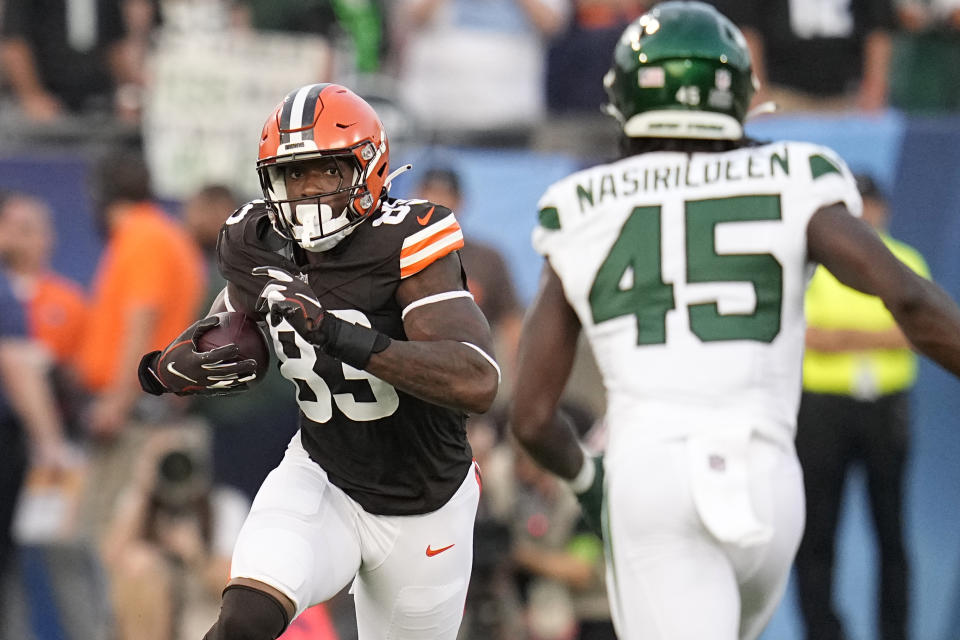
x,y
853,252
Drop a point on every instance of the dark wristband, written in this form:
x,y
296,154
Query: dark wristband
x,y
350,343
147,373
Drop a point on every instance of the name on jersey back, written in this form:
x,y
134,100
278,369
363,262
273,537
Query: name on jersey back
x,y
627,179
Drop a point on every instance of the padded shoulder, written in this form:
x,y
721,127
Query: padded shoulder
x,y
825,177
425,232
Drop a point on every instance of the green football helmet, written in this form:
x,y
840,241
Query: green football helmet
x,y
681,70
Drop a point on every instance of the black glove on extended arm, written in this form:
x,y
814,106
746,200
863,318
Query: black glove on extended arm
x,y
287,298
591,497
183,370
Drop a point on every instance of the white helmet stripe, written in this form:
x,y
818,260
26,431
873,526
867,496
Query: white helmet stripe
x,y
296,112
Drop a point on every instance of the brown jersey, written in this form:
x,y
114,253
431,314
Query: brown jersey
x,y
393,453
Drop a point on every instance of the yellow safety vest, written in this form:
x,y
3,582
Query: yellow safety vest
x,y
862,374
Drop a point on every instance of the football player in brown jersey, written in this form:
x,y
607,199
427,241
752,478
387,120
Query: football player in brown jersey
x,y
366,303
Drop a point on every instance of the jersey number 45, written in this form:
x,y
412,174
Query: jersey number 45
x,y
637,253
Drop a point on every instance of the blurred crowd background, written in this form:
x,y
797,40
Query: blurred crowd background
x,y
128,133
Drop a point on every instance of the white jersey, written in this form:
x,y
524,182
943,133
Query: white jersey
x,y
688,273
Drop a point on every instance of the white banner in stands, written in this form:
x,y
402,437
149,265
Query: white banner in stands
x,y
207,101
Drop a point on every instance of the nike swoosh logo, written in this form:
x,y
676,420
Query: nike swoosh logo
x,y
178,374
433,552
425,219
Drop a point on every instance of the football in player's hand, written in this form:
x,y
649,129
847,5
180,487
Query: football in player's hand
x,y
240,329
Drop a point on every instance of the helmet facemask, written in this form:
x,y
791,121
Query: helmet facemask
x,y
310,220
314,123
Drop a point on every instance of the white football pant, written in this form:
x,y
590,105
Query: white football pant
x,y
307,538
701,535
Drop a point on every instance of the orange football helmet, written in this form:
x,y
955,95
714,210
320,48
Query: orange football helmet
x,y
323,121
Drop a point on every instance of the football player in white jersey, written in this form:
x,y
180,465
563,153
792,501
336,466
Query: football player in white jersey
x,y
684,263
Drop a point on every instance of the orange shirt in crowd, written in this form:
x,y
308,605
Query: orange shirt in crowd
x,y
57,315
600,15
149,261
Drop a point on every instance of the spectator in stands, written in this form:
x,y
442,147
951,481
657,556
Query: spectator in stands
x,y
30,428
148,284
56,306
141,20
917,15
168,544
290,16
857,374
545,517
579,57
62,57
203,214
354,28
560,563
469,67
924,75
493,609
817,56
